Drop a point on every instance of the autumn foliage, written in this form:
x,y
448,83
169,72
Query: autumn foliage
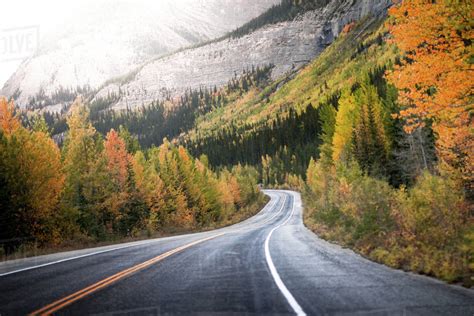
x,y
435,75
387,180
96,190
348,27
118,159
9,123
31,180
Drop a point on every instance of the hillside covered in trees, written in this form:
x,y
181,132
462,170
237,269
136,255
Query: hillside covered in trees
x,y
376,132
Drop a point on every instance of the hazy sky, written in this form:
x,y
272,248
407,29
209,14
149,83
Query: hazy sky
x,y
33,18
22,18
25,22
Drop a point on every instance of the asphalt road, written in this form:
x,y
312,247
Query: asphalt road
x,y
268,264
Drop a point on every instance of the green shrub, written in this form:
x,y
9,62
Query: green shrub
x,y
433,218
427,229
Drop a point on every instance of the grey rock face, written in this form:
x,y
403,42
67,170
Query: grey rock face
x,y
286,45
113,37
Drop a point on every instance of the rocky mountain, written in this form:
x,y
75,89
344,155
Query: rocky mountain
x,y
287,46
113,37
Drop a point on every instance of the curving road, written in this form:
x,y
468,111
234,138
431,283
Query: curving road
x,y
268,264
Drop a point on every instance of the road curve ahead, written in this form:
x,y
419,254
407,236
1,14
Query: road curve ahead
x,y
269,264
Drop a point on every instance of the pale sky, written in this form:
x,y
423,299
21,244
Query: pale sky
x,y
25,24
42,15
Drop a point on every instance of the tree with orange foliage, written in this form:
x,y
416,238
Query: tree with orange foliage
x,y
435,76
124,200
348,27
8,122
118,159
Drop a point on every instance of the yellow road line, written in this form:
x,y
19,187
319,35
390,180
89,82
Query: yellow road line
x,y
57,305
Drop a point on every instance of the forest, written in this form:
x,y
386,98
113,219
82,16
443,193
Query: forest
x,y
376,133
284,11
394,177
105,189
161,119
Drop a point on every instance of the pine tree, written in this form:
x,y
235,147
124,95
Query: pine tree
x,y
131,142
125,201
84,169
177,210
40,125
371,144
327,118
152,190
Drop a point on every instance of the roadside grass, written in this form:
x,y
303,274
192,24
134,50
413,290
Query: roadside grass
x,y
423,229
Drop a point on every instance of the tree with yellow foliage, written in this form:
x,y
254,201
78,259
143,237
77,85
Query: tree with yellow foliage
x,y
346,117
86,182
152,190
31,180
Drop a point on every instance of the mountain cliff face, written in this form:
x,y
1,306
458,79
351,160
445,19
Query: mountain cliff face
x,y
286,46
111,38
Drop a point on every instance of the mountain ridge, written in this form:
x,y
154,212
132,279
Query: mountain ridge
x,y
285,45
112,38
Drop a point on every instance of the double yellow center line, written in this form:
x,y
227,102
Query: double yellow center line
x,y
59,304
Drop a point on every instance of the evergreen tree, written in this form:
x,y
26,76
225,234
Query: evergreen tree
x,y
151,189
328,123
84,171
370,140
131,142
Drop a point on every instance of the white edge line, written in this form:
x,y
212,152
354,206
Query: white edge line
x,y
73,258
283,289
